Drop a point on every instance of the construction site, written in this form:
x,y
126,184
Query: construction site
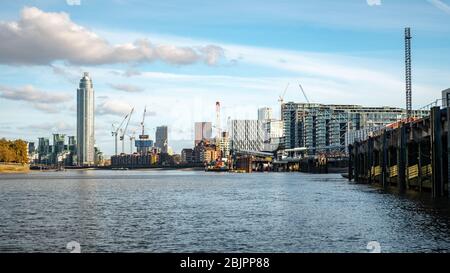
x,y
146,154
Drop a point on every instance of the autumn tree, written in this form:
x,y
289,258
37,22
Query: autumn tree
x,y
13,151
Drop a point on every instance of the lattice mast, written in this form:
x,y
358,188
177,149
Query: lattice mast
x,y
408,72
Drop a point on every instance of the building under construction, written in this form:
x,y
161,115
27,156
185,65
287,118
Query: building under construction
x,y
322,129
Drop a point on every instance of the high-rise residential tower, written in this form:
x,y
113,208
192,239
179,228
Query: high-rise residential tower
x,y
85,121
203,131
161,138
264,114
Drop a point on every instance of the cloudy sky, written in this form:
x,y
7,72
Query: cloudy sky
x,y
179,58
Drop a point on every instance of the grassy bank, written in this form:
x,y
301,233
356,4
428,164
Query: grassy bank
x,y
14,168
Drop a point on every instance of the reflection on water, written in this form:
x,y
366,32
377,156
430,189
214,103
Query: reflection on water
x,y
183,211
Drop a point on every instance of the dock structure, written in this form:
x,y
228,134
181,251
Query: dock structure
x,y
412,156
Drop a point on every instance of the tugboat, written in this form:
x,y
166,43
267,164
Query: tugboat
x,y
217,166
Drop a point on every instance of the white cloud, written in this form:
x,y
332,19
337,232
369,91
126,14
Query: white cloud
x,y
31,94
113,107
40,37
127,88
440,5
73,2
72,75
47,108
374,2
59,126
48,102
212,54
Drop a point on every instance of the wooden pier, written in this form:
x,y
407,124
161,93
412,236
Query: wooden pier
x,y
414,156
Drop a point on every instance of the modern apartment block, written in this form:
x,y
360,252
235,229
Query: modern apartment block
x,y
224,144
161,138
272,129
187,156
322,128
265,113
43,150
60,153
203,131
446,97
246,135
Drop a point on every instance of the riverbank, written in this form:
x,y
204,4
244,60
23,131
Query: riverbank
x,y
109,168
14,168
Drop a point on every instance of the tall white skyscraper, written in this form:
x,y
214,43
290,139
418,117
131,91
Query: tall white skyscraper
x,y
85,121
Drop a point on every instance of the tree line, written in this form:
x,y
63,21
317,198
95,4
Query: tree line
x,y
13,151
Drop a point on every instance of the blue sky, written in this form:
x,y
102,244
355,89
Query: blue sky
x,y
180,57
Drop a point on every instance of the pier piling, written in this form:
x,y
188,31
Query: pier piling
x,y
413,156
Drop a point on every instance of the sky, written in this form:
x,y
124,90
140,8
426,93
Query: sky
x,y
177,58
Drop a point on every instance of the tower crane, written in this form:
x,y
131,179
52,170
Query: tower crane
x,y
132,137
281,97
143,135
304,94
124,131
115,132
281,100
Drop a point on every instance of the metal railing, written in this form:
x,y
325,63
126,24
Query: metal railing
x,y
432,104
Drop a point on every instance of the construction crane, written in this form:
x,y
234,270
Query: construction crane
x,y
281,100
143,135
124,131
304,94
281,97
115,132
132,137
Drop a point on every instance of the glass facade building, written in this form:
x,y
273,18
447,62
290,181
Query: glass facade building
x,y
85,122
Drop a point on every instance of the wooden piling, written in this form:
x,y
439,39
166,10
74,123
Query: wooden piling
x,y
350,162
401,161
384,166
437,187
419,163
370,160
447,179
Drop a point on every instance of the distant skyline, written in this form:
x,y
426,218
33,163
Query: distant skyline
x,y
179,58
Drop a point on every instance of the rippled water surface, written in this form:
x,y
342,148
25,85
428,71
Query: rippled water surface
x,y
184,211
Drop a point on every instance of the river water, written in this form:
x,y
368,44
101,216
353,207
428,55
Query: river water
x,y
191,211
